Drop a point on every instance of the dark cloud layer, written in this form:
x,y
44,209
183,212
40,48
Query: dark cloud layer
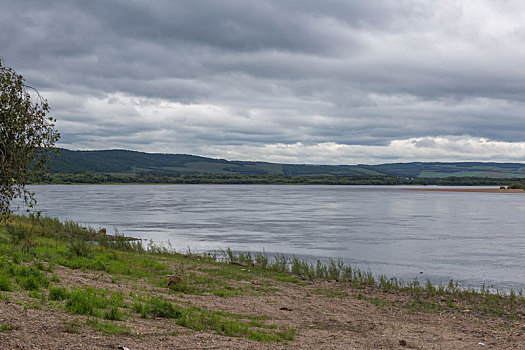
x,y
303,81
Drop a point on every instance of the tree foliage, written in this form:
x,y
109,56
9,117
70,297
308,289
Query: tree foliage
x,y
27,138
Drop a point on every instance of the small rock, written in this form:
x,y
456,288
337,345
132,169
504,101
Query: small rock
x,y
174,280
284,308
403,342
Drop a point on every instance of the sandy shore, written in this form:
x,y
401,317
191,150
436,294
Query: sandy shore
x,y
325,315
126,301
482,190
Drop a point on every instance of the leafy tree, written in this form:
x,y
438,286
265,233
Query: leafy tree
x,y
27,138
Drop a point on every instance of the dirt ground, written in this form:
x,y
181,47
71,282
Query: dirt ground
x,y
321,321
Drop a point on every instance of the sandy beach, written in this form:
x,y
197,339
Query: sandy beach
x,y
482,190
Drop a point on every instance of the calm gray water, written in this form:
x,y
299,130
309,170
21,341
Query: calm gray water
x,y
474,238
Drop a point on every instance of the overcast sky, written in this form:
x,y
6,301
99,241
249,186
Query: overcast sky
x,y
326,82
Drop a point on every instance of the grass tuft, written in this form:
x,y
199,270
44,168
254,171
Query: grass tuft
x,y
5,283
79,247
113,314
73,326
58,293
156,307
6,327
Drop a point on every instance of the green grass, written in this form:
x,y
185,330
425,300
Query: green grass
x,y
54,245
79,247
113,314
58,293
6,327
27,277
54,279
156,307
91,302
81,302
199,319
5,283
205,320
73,326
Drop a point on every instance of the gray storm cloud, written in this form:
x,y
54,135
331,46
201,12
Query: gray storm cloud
x,y
296,81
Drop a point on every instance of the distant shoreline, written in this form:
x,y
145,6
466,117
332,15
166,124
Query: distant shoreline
x,y
483,190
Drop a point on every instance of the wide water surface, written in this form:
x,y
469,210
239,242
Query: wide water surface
x,y
474,238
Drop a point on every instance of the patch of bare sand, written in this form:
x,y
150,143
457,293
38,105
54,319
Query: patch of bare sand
x,y
481,190
321,322
347,323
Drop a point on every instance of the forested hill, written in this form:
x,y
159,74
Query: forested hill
x,y
121,161
132,162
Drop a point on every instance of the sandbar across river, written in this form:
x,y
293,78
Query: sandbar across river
x,y
486,190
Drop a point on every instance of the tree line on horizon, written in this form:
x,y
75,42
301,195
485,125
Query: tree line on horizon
x,y
145,178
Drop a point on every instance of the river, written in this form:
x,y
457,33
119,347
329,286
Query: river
x,y
474,238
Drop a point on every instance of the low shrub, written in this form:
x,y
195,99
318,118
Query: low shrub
x,y
5,283
58,293
81,302
80,248
155,307
113,314
29,278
